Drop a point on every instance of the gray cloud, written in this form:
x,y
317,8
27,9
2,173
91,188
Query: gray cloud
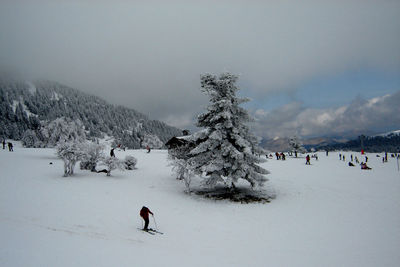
x,y
360,116
149,55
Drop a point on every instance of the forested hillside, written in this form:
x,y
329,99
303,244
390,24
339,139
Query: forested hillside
x,y
389,142
27,108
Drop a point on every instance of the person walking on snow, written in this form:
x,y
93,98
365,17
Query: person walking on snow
x,y
10,147
112,154
144,213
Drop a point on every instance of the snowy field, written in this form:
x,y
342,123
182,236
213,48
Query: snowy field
x,y
326,214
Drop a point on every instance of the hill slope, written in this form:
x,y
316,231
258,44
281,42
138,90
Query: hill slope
x,y
25,105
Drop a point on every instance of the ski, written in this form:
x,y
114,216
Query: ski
x,y
147,231
155,231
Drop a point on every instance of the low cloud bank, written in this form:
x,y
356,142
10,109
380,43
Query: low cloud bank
x,y
359,117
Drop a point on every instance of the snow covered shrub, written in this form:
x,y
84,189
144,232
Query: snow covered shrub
x,y
70,153
29,139
178,155
227,151
182,170
130,162
113,163
93,153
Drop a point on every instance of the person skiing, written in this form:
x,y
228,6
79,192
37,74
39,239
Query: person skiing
x,y
308,160
144,213
4,143
148,149
112,154
10,147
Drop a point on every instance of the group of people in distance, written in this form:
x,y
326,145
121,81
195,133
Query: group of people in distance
x,y
364,166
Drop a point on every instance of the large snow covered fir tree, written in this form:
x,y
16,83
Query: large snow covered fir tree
x,y
226,151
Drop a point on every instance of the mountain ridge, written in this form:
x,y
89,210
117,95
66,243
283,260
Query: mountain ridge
x,y
31,105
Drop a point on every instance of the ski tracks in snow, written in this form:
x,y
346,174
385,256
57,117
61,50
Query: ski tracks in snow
x,y
77,230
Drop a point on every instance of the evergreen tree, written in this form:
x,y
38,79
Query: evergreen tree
x,y
226,151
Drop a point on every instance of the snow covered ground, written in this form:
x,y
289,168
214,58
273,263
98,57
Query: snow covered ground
x,y
326,214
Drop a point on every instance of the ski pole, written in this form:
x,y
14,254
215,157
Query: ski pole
x,y
155,223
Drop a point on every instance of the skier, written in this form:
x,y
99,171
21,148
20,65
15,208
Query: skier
x,y
112,154
148,149
308,160
144,213
4,143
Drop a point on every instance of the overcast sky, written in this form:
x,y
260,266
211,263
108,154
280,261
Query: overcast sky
x,y
311,67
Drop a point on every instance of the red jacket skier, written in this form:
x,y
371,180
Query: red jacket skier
x,y
144,213
308,160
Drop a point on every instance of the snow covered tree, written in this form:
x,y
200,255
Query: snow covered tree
x,y
227,151
93,153
295,145
30,139
152,141
70,152
63,130
113,163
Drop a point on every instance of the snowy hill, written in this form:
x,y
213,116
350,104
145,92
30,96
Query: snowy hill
x,y
391,133
326,214
30,106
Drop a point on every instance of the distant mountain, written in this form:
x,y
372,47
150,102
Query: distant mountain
x,y
282,144
392,133
30,106
389,142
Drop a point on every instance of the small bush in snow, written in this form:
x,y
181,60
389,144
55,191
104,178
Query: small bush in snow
x,y
70,153
93,153
113,163
130,162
